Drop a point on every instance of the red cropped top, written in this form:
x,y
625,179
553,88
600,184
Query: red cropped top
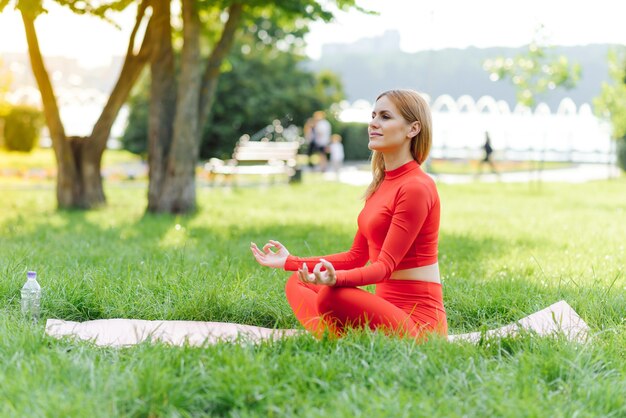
x,y
398,229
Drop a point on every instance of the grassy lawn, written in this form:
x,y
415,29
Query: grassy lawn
x,y
506,250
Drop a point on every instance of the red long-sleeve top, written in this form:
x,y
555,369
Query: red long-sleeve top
x,y
398,229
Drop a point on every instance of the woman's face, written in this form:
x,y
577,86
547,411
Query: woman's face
x,y
388,130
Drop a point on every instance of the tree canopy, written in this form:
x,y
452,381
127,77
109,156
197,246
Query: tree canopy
x,y
263,81
611,103
535,72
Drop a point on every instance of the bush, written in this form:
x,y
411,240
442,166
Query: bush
x,y
621,153
355,140
22,128
135,137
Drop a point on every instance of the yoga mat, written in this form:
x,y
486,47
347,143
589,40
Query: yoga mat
x,y
558,318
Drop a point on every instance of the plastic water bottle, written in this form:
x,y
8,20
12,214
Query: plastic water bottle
x,y
31,296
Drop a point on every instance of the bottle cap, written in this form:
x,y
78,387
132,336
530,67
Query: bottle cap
x,y
31,275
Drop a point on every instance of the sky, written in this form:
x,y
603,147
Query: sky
x,y
423,25
437,24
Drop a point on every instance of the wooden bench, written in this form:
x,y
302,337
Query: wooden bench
x,y
268,159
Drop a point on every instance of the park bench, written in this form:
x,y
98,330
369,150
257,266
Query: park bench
x,y
264,159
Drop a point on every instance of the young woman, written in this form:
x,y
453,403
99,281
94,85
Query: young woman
x,y
398,231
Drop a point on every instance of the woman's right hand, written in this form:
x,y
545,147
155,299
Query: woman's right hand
x,y
269,258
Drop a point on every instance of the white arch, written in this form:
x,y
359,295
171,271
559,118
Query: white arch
x,y
362,104
359,111
344,104
466,103
443,103
566,107
585,110
503,107
542,109
487,103
521,109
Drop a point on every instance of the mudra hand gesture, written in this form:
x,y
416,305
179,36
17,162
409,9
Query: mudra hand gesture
x,y
325,277
276,259
269,258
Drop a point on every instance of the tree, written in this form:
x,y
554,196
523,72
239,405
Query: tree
x,y
262,82
180,107
535,72
79,181
265,84
611,103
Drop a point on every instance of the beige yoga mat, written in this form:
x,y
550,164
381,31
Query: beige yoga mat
x,y
558,318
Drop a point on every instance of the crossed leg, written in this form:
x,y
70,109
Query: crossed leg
x,y
324,308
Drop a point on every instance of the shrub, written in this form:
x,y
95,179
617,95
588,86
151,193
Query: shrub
x,y
621,153
22,128
135,137
355,140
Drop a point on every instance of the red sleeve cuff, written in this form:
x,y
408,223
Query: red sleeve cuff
x,y
291,264
340,278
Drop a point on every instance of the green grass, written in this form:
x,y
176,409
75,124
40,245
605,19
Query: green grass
x,y
506,250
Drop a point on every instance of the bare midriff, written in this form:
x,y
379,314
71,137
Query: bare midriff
x,y
428,273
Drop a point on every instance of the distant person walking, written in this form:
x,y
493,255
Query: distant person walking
x,y
487,159
336,154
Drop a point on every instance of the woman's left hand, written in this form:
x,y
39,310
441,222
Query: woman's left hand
x,y
318,276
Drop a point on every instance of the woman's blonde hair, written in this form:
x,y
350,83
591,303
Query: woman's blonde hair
x,y
413,108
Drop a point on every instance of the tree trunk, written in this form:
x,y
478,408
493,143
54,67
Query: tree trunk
x,y
129,74
179,189
88,181
162,102
175,129
66,189
79,179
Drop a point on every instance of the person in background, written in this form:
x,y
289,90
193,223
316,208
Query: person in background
x,y
323,131
336,154
398,234
309,138
487,159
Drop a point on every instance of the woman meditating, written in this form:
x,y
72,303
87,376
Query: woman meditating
x,y
397,234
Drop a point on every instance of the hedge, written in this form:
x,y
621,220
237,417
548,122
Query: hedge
x,y
22,128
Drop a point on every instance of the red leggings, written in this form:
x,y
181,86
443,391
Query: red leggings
x,y
404,307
